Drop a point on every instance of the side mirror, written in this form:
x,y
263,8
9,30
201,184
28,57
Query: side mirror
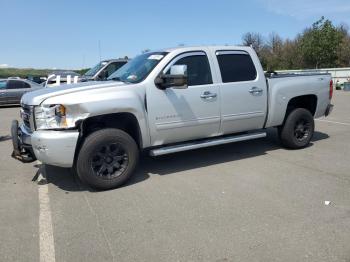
x,y
176,79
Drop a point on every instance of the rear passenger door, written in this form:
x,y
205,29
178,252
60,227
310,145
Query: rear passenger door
x,y
15,91
243,92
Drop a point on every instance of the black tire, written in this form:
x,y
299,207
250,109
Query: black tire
x,y
298,129
14,135
107,158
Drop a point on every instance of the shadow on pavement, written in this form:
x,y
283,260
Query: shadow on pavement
x,y
173,163
5,138
9,106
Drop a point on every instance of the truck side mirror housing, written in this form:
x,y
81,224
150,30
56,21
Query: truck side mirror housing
x,y
176,79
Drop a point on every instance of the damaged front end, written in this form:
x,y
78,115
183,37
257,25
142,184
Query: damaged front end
x,y
21,140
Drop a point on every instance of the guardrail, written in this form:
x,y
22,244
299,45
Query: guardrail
x,y
340,75
58,80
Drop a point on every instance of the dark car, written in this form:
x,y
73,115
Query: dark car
x,y
103,70
12,90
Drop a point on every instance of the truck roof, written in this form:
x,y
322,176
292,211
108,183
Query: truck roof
x,y
116,60
218,47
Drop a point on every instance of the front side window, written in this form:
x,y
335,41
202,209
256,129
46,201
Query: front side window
x,y
198,69
112,67
236,67
92,71
138,68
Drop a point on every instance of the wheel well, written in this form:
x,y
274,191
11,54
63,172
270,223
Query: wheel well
x,y
124,121
308,102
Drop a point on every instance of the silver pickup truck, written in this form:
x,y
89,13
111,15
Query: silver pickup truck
x,y
165,102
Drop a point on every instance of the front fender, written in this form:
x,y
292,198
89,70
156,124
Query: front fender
x,y
100,102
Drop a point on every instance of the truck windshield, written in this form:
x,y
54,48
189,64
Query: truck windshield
x,y
138,68
95,69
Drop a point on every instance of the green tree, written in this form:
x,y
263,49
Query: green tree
x,y
256,41
320,44
344,53
344,48
273,52
291,57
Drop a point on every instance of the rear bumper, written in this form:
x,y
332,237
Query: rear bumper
x,y
50,147
329,110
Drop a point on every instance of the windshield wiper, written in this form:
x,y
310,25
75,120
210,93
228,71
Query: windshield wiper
x,y
117,78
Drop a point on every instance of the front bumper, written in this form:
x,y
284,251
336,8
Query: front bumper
x,y
21,140
55,148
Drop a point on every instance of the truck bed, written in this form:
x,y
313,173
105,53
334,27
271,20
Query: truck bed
x,y
283,75
283,87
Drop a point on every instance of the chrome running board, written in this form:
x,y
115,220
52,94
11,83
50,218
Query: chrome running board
x,y
205,143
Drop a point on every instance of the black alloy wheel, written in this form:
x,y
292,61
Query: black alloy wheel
x,y
109,161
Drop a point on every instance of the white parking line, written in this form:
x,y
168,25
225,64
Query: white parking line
x,y
333,122
46,240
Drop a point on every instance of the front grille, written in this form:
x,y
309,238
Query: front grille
x,y
27,116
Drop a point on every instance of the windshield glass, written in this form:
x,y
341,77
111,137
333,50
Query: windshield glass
x,y
95,69
138,68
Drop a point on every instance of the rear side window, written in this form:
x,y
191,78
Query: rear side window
x,y
198,69
236,67
16,84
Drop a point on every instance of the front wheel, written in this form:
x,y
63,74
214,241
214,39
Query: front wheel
x,y
298,129
107,158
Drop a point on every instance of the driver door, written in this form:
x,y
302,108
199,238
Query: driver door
x,y
177,115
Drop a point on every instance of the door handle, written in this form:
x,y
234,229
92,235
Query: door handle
x,y
255,90
208,95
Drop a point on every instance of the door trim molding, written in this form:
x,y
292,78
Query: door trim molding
x,y
248,115
187,123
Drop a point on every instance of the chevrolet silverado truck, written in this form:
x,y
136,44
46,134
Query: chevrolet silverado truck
x,y
165,102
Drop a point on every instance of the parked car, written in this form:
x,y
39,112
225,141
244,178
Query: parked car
x,y
103,70
12,90
165,102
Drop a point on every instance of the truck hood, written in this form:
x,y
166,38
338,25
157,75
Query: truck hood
x,y
37,97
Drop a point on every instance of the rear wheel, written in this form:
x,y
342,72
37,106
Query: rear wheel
x,y
107,158
298,129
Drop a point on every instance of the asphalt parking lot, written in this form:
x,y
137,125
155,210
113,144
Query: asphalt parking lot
x,y
249,201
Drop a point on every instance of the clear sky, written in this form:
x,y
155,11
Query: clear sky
x,y
66,34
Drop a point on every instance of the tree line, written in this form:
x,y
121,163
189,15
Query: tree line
x,y
322,45
26,72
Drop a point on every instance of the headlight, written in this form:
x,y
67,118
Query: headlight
x,y
51,117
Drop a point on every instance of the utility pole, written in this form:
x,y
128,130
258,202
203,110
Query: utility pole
x,y
99,49
83,61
